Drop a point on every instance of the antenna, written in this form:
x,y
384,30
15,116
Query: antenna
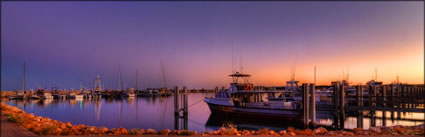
x,y
314,75
376,74
240,64
397,79
233,69
348,75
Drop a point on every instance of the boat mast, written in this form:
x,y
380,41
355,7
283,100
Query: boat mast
x,y
120,87
163,75
25,78
137,77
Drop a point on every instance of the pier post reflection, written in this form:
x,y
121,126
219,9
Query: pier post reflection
x,y
177,109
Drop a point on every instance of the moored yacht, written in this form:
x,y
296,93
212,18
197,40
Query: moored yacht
x,y
129,93
240,99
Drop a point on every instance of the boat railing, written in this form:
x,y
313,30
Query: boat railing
x,y
271,105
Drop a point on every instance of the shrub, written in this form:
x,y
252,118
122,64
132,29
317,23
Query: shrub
x,y
16,118
49,130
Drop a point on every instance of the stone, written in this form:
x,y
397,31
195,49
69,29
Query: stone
x,y
68,124
164,132
103,129
123,131
320,130
357,129
291,129
375,129
150,131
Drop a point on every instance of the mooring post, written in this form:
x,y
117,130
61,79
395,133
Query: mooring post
x,y
408,102
176,121
413,99
305,104
176,100
372,101
312,104
392,86
185,109
335,103
384,96
403,90
359,104
341,105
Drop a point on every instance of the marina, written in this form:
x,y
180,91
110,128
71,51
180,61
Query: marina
x,y
216,68
241,104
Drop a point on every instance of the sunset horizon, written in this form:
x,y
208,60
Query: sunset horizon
x,y
68,43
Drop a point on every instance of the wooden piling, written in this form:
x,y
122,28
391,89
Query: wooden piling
x,y
176,100
305,104
408,95
341,105
312,104
403,90
372,101
359,104
185,109
335,103
392,90
384,96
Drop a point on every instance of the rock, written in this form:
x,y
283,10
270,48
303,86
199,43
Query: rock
x,y
91,129
103,129
375,129
320,130
271,132
164,132
303,132
68,124
291,129
123,131
150,131
357,129
282,132
134,131
292,134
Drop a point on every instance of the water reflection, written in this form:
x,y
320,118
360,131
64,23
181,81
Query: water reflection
x,y
157,113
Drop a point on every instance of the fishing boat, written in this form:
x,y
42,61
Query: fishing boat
x,y
240,99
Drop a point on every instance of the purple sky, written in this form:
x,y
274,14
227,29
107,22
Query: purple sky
x,y
68,43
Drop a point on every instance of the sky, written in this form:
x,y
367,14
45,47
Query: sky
x,y
66,44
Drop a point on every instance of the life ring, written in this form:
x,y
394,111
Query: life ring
x,y
245,86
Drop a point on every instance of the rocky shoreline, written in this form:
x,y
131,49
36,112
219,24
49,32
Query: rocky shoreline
x,y
46,126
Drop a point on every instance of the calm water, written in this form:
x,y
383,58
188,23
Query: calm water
x,y
158,113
